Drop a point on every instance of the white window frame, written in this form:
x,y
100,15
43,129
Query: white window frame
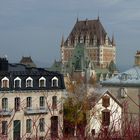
x,y
42,78
54,78
17,79
29,79
5,78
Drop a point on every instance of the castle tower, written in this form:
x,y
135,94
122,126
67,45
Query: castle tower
x,y
101,49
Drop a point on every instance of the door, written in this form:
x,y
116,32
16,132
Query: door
x,y
16,130
54,126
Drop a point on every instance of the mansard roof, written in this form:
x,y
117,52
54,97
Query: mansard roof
x,y
23,72
91,28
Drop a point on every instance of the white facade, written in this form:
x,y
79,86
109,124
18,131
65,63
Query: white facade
x,y
33,105
95,122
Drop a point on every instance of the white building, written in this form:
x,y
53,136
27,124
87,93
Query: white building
x,y
106,112
31,102
126,88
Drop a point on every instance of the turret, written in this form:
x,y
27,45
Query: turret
x,y
106,39
137,58
62,41
113,41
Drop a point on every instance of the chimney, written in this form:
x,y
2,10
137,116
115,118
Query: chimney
x,y
137,58
3,64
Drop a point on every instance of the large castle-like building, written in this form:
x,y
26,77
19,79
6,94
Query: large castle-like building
x,y
100,48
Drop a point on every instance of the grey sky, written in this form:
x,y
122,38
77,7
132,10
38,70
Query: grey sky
x,y
35,27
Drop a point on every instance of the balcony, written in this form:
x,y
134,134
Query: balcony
x,y
35,111
6,112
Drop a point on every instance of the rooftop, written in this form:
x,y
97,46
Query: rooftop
x,y
130,77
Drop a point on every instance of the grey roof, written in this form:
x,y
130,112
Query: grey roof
x,y
95,94
130,78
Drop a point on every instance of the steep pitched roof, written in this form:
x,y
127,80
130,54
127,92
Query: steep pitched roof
x,y
91,28
27,61
97,93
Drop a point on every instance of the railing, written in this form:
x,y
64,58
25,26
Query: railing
x,y
6,112
33,111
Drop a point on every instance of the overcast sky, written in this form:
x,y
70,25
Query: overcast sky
x,y
35,27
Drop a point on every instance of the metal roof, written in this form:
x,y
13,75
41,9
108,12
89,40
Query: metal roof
x,y
130,78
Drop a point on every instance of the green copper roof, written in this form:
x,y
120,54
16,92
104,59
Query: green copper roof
x,y
80,60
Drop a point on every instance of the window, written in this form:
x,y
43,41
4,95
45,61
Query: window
x,y
17,104
29,82
41,138
28,125
17,82
105,101
41,124
4,128
42,102
54,102
4,104
106,117
29,102
123,92
55,82
42,82
5,82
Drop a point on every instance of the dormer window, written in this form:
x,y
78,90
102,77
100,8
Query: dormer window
x,y
29,82
55,82
17,82
42,82
123,92
5,82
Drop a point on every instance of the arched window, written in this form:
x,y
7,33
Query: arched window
x,y
17,82
55,82
42,82
5,82
106,101
4,104
29,82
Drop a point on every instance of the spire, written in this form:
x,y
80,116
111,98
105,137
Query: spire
x,y
62,41
98,18
77,19
113,40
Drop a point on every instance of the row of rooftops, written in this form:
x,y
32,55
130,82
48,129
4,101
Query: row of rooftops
x,y
11,71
